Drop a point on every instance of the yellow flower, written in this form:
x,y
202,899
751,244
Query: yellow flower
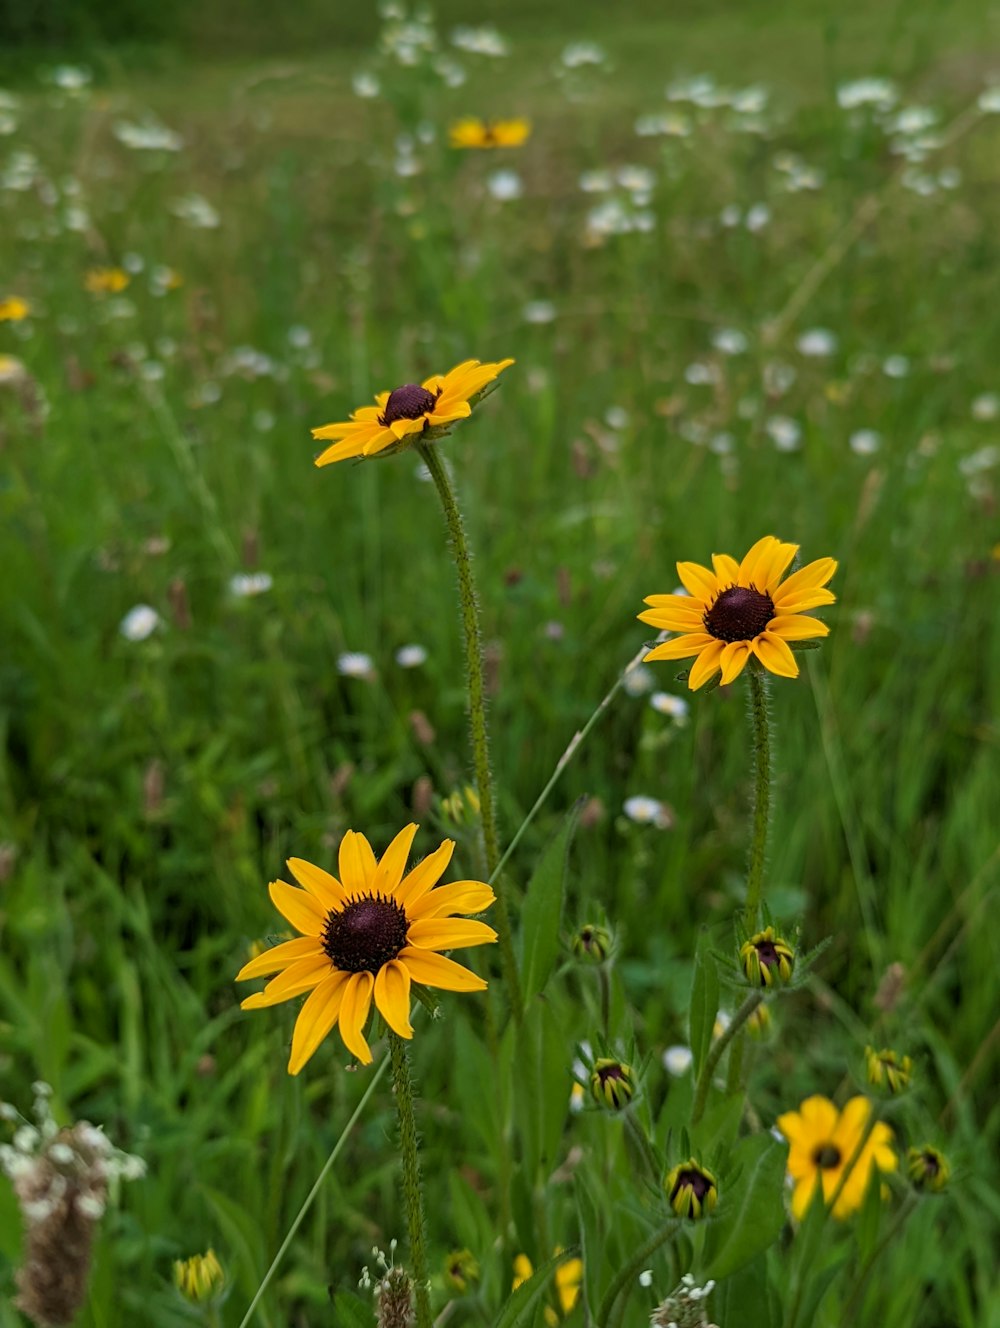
x,y
569,1279
741,609
200,1278
471,132
106,280
13,309
822,1143
367,935
409,411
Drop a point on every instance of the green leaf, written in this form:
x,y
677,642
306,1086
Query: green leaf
x,y
519,1310
591,1206
817,1287
542,912
704,1001
747,1298
750,1218
350,1312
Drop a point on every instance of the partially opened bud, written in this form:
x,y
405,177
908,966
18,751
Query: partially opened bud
x,y
928,1169
691,1190
612,1083
592,943
199,1279
767,959
888,1070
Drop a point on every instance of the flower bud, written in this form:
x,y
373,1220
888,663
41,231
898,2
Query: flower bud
x,y
887,1069
691,1190
592,943
461,1269
767,959
612,1083
200,1278
928,1169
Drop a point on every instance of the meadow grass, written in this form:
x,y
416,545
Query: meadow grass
x,y
151,788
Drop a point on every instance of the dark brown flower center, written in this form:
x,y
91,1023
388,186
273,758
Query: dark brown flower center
x,y
739,614
827,1156
767,954
614,1071
365,934
408,402
931,1165
695,1181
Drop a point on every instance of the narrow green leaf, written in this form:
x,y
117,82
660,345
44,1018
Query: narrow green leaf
x,y
519,1310
350,1312
749,1219
541,915
704,1001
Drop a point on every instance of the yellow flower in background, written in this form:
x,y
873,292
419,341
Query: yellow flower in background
x,y
13,309
408,412
106,280
367,936
200,1278
471,132
569,1279
741,610
822,1143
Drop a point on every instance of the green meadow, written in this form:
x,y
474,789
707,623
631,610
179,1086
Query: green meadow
x,y
746,263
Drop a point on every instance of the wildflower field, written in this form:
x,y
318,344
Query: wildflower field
x,y
537,864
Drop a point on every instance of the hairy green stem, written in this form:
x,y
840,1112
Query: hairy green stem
x,y
761,794
413,1193
715,1054
632,1269
477,711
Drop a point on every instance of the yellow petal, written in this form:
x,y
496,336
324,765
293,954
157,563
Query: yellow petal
x,y
682,646
697,580
797,627
708,663
350,447
807,578
425,874
327,889
392,996
357,863
461,897
316,1018
379,441
775,655
401,429
803,1195
819,1116
727,569
392,864
809,599
772,569
301,976
434,970
446,411
353,1013
734,657
762,550
674,618
299,907
278,957
449,933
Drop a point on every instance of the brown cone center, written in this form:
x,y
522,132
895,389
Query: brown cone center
x,y
365,934
827,1156
408,402
695,1181
767,954
739,614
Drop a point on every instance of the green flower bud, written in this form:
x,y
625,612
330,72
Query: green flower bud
x,y
928,1169
612,1083
199,1279
592,943
461,1269
767,959
887,1069
691,1190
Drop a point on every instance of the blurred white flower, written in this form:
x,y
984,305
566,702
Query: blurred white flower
x,y
648,811
986,406
670,123
730,340
596,182
245,585
677,1060
411,656
639,680
896,366
616,417
355,664
196,211
539,311
582,53
864,442
701,375
784,432
817,343
139,623
505,185
757,217
480,41
71,78
147,136
666,704
878,92
989,100
365,84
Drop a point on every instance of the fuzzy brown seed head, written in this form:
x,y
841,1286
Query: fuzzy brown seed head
x,y
365,934
408,402
739,614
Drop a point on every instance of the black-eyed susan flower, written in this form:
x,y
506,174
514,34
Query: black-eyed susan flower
x,y
928,1169
13,309
767,959
199,1279
471,132
612,1083
106,280
823,1141
888,1070
740,610
692,1190
367,936
416,410
461,1269
568,1278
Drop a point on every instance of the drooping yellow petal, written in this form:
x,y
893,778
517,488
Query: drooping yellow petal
x,y
299,907
707,664
301,976
392,996
775,655
379,441
357,863
797,627
353,1013
350,447
435,970
681,646
316,1018
809,599
449,933
808,578
698,581
425,874
401,429
278,957
445,900
734,657
327,889
392,864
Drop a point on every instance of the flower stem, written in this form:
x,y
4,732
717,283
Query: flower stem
x,y
762,792
632,1270
477,710
412,1185
718,1047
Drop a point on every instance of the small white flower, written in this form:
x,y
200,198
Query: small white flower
x,y
677,1060
539,311
757,217
505,185
365,84
596,182
411,656
666,704
355,664
139,623
986,406
582,53
989,100
879,92
616,417
730,340
896,366
244,585
784,432
639,680
701,375
817,343
147,136
865,442
196,211
646,1277
90,1206
648,811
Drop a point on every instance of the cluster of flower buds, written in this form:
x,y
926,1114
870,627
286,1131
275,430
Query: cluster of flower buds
x,y
685,1307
